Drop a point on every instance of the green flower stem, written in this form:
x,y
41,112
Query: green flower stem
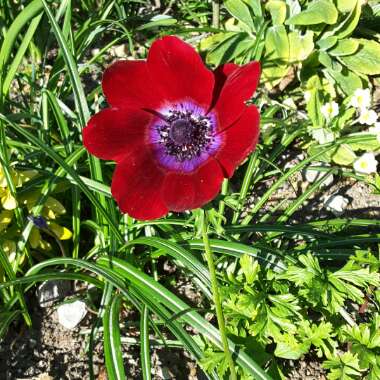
x,y
216,297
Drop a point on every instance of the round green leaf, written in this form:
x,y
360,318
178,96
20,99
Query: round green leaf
x,y
277,10
366,60
345,47
317,12
300,45
344,155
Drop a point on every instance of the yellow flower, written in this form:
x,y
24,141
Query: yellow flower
x,y
52,208
7,199
10,248
3,180
36,241
5,219
61,232
24,176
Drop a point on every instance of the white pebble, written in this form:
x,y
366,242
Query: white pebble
x,y
311,175
336,204
70,314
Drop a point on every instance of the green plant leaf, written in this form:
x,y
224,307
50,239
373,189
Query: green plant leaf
x,y
344,155
250,268
277,10
327,42
301,45
347,80
345,47
11,71
345,5
367,58
112,344
317,12
276,55
255,5
240,10
348,25
343,367
314,104
145,344
290,348
228,46
29,12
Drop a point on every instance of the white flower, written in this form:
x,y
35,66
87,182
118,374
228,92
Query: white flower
x,y
336,204
366,164
368,117
323,136
330,110
375,129
361,98
307,96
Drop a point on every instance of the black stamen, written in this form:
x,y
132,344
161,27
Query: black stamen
x,y
185,136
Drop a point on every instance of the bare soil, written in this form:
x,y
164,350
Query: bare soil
x,y
48,351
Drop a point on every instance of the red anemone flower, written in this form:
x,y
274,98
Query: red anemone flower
x,y
174,128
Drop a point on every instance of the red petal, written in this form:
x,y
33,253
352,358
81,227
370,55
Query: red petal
x,y
180,72
183,191
239,140
136,186
221,73
238,88
178,191
129,83
113,132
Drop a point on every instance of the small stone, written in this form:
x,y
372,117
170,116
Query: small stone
x,y
96,369
119,51
290,164
95,52
44,376
32,342
51,291
336,204
311,175
70,314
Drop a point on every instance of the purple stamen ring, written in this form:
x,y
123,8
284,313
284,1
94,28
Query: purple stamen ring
x,y
184,137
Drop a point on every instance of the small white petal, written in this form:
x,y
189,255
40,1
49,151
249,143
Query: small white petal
x,y
368,117
361,98
375,129
70,314
366,164
336,204
330,110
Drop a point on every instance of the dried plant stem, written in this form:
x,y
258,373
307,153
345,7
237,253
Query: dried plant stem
x,y
215,14
216,297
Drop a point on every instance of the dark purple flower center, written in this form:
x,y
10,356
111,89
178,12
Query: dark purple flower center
x,y
181,132
184,135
